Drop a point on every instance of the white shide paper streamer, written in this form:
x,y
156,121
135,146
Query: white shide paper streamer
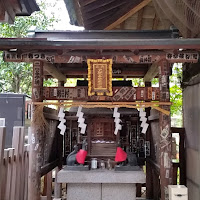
x,y
117,120
143,119
62,125
81,120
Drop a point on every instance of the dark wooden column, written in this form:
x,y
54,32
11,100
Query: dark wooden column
x,y
182,157
37,82
60,138
165,128
149,176
58,186
36,146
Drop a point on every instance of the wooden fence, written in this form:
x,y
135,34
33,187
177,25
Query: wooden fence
x,y
14,165
14,169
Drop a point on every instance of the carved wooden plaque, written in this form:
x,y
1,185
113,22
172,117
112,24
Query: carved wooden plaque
x,y
99,77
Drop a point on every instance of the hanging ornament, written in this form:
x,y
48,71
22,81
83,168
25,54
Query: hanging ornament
x,y
117,120
81,120
61,116
143,119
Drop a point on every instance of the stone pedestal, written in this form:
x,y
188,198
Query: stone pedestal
x,y
118,191
80,191
101,184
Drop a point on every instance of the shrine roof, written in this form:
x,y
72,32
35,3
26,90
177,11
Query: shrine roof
x,y
65,53
114,14
136,15
100,40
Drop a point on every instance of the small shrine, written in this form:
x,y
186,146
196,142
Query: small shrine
x,y
104,131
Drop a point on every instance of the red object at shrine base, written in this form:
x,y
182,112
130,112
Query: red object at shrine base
x,y
121,155
80,156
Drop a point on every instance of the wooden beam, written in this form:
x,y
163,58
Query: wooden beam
x,y
151,73
128,14
2,12
53,71
155,22
99,13
178,130
49,167
118,70
127,94
85,2
122,25
139,19
115,14
9,8
98,19
96,5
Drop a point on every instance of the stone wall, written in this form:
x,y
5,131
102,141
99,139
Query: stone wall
x,y
191,114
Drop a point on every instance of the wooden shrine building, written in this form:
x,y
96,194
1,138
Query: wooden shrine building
x,y
98,58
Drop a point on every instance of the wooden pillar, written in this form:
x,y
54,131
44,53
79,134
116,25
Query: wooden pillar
x,y
182,156
60,138
58,186
156,185
149,176
61,83
37,82
165,128
47,191
36,147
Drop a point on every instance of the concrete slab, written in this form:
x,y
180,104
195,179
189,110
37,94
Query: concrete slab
x,y
101,176
118,191
76,191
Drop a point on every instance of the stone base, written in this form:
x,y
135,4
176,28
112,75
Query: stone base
x,y
118,191
100,176
77,168
127,168
101,184
78,191
88,191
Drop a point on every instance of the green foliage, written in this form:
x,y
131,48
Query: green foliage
x,y
176,93
138,82
16,77
71,82
50,82
176,98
